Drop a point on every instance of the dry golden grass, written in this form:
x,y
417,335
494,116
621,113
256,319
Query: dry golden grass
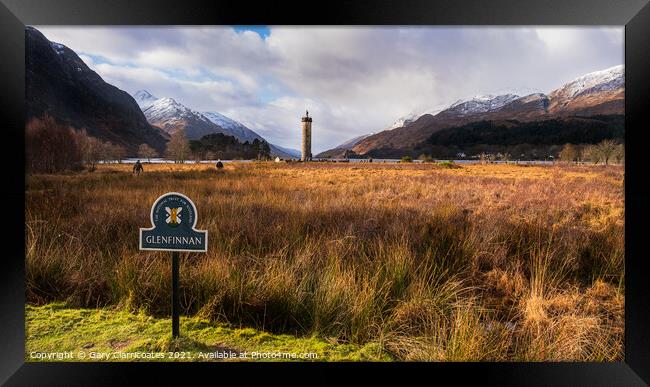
x,y
482,262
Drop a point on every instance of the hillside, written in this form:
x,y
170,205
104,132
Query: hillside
x,y
343,149
58,83
597,93
532,139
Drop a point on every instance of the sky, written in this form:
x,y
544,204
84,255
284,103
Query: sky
x,y
353,80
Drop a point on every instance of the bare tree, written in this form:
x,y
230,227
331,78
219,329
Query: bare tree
x,y
92,149
147,152
51,146
607,149
95,152
568,153
178,147
592,153
118,152
619,154
107,152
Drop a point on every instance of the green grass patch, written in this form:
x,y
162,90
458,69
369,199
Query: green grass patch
x,y
448,164
116,335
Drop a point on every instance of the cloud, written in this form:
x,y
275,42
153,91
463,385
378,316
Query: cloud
x,y
354,80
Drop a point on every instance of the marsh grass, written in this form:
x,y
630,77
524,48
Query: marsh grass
x,y
479,262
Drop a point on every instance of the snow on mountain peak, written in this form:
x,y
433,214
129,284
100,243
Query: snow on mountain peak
x,y
471,105
482,103
144,98
411,117
403,121
166,110
238,129
163,109
607,79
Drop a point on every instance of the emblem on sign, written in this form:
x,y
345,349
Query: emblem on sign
x,y
173,217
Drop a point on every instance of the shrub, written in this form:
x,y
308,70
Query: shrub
x,y
425,158
448,164
51,146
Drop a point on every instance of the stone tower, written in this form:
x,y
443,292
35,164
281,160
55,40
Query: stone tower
x,y
306,137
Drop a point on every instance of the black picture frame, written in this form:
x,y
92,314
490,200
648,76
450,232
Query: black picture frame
x,y
633,14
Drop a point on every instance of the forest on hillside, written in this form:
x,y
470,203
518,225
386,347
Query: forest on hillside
x,y
221,146
530,140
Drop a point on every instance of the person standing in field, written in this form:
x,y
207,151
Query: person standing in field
x,y
137,168
219,164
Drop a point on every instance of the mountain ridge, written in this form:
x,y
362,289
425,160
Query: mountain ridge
x,y
58,83
171,116
598,92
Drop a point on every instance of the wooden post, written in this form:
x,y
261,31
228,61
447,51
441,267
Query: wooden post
x,y
175,304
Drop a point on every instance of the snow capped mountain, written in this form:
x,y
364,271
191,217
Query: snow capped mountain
x,y
598,81
163,109
468,106
597,93
170,115
168,109
412,117
144,98
237,129
403,121
480,104
608,79
531,97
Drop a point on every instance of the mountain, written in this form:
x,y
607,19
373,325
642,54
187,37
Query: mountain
x,y
597,93
531,140
600,92
243,133
280,151
479,104
404,121
349,144
413,116
172,116
340,150
58,83
235,128
144,98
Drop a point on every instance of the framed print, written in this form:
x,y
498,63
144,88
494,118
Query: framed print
x,y
387,188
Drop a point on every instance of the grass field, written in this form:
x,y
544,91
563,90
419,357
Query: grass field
x,y
415,261
109,335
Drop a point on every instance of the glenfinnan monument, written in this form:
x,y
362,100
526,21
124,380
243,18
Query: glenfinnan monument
x,y
306,138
